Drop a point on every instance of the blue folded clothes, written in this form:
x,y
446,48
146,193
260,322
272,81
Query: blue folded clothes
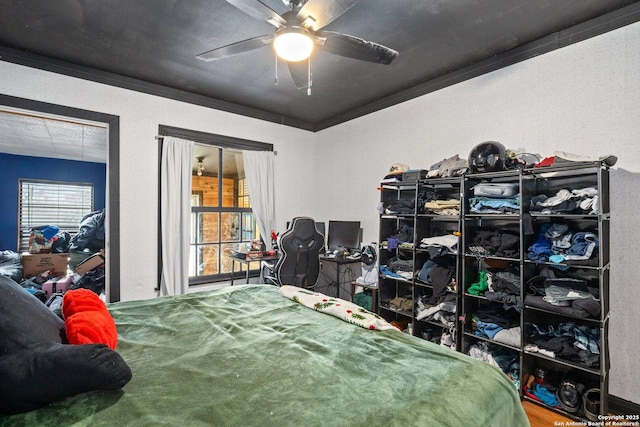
x,y
384,270
488,329
547,397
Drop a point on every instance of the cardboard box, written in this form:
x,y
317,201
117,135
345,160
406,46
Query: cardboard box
x,y
76,258
34,264
95,260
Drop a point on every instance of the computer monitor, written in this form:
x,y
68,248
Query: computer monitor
x,y
344,234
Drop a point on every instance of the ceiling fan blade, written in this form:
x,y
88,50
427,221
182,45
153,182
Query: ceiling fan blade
x,y
299,73
356,48
323,12
236,48
260,11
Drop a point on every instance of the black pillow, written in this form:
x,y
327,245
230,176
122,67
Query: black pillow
x,y
44,373
25,320
37,367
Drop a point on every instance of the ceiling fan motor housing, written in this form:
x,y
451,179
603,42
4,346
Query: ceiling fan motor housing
x,y
294,4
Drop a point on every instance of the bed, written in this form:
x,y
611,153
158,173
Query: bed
x,y
247,356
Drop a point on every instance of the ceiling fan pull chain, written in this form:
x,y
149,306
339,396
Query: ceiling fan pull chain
x,y
309,78
276,79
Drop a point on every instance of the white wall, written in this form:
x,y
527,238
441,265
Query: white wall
x,y
584,98
140,115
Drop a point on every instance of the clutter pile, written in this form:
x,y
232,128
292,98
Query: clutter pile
x,y
57,262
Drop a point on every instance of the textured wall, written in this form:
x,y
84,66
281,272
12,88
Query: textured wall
x,y
584,98
140,115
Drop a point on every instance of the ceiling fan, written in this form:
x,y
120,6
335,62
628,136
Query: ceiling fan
x,y
298,32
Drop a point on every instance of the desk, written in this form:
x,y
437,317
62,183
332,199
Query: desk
x,y
248,260
338,262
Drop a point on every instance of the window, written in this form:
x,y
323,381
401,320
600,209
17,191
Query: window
x,y
243,194
62,204
221,216
221,213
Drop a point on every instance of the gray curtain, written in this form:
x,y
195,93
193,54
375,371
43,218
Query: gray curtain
x,y
259,169
175,214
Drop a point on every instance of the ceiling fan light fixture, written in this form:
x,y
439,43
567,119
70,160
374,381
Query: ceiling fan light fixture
x,y
200,166
293,44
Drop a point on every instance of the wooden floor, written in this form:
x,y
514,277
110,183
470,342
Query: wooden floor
x,y
541,417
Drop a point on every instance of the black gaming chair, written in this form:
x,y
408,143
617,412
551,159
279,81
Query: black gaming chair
x,y
299,263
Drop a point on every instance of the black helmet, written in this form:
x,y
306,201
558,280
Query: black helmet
x,y
569,395
489,156
591,399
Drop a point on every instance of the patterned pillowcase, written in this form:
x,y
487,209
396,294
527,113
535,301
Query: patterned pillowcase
x,y
336,307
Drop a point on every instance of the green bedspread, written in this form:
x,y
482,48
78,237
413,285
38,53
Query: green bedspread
x,y
247,356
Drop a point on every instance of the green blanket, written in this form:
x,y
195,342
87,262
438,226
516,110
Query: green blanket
x,y
247,356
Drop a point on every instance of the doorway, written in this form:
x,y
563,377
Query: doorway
x,y
112,141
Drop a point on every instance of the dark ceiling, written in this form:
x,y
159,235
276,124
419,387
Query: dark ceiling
x,y
151,46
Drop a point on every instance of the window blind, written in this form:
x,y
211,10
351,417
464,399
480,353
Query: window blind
x,y
62,204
